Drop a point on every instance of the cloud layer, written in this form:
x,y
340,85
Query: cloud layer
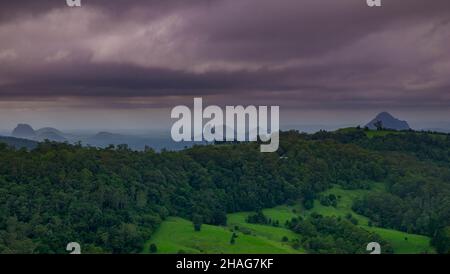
x,y
296,53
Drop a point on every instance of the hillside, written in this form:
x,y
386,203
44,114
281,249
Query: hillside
x,y
18,142
177,235
116,200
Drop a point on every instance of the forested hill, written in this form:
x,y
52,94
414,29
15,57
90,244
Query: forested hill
x,y
18,143
113,199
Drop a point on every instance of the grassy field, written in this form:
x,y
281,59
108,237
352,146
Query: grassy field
x,y
403,243
177,234
345,201
281,213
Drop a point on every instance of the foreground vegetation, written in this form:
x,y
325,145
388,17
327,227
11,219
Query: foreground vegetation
x,y
113,200
401,242
178,235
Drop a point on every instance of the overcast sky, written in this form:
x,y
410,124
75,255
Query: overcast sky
x,y
125,63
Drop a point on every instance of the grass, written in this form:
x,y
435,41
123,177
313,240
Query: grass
x,y
345,202
404,243
281,213
177,234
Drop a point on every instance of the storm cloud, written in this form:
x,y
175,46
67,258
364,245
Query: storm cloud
x,y
295,53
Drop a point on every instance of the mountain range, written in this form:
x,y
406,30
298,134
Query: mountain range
x,y
25,133
25,136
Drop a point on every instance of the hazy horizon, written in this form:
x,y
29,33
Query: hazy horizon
x,y
308,125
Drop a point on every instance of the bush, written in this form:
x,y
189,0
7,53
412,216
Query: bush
x,y
197,226
233,238
153,248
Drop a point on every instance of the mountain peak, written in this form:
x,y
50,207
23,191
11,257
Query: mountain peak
x,y
24,131
387,121
385,115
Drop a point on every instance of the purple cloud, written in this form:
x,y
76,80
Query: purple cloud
x,y
296,53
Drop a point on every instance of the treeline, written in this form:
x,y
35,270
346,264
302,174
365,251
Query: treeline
x,y
111,200
334,235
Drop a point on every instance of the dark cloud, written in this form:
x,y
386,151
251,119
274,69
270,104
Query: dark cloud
x,y
12,9
280,30
297,53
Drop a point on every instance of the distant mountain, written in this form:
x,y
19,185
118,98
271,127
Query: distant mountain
x,y
107,135
27,132
101,139
387,121
46,130
51,134
24,131
18,143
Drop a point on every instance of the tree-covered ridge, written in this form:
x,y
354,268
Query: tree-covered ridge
x,y
112,200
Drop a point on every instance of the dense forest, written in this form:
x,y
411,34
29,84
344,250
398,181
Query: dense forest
x,y
113,199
